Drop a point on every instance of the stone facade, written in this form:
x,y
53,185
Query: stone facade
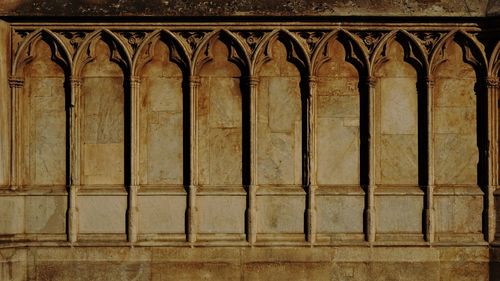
x,y
249,149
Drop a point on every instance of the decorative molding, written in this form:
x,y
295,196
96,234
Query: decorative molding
x,y
370,38
311,38
192,39
251,38
429,39
74,38
133,38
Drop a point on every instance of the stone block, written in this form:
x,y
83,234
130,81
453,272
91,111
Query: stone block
x,y
281,214
161,214
45,214
102,214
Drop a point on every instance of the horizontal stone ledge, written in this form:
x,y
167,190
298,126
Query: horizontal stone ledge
x,y
475,8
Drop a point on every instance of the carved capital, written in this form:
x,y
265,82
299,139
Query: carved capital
x,y
491,82
133,189
135,80
430,81
252,80
194,80
312,80
75,81
16,82
371,81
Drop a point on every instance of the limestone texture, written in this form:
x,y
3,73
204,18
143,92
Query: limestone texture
x,y
257,140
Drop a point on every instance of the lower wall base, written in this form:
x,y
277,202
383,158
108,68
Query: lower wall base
x,y
342,264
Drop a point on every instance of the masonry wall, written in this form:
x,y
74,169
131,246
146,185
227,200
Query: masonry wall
x,y
248,151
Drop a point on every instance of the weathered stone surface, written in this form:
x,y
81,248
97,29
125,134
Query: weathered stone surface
x,y
102,214
281,214
455,125
279,120
161,147
12,218
222,214
259,7
45,214
220,120
46,94
457,214
161,214
340,214
103,119
399,214
397,111
246,151
387,263
338,119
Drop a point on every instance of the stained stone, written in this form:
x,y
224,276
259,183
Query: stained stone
x,y
220,143
102,214
161,214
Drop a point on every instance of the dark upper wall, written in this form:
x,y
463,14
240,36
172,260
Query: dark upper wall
x,y
455,8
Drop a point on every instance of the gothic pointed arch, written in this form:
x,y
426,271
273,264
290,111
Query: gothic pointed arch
x,y
494,63
87,52
236,51
354,51
296,52
414,53
472,52
337,67
27,50
146,51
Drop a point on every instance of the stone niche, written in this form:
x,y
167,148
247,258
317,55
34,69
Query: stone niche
x,y
249,150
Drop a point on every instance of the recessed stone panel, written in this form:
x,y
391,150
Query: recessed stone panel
x,y
338,151
45,214
396,119
45,122
161,214
399,214
458,214
398,108
103,119
221,214
281,214
161,120
219,113
102,214
340,214
455,150
279,115
398,159
11,214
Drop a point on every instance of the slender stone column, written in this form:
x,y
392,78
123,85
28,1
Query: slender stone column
x,y
429,192
16,85
192,212
370,193
311,175
132,210
251,212
493,165
74,166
